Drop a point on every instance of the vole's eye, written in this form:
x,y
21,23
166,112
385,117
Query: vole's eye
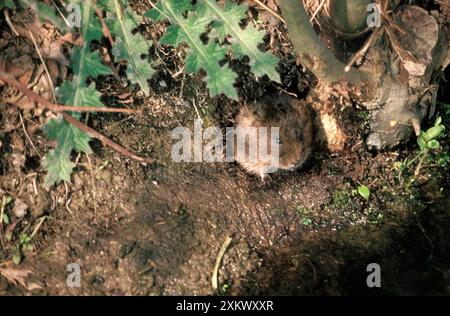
x,y
278,141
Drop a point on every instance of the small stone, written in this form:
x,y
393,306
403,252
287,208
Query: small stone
x,y
106,176
20,208
149,280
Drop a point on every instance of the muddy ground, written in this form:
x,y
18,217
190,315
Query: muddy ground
x,y
157,229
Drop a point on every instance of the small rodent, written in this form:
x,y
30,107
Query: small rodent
x,y
295,121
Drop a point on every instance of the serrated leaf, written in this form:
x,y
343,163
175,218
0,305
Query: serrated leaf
x,y
88,65
65,133
222,82
219,79
129,46
59,167
155,13
57,162
174,36
235,15
194,61
7,4
68,137
245,41
73,93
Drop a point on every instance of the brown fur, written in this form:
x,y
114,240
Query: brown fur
x,y
295,121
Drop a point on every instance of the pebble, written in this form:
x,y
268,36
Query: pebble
x,y
20,209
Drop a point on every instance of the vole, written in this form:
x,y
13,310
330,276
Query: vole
x,y
295,121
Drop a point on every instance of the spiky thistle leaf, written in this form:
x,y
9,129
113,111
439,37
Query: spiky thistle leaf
x,y
7,4
85,64
128,46
220,79
244,41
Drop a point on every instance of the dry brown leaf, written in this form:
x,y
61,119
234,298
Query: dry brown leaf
x,y
18,277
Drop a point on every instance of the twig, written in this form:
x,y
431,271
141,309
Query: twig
x,y
182,86
196,110
372,38
279,17
50,81
61,108
104,140
157,9
61,14
419,166
223,249
317,10
316,56
57,108
94,192
8,21
28,136
38,226
2,210
105,28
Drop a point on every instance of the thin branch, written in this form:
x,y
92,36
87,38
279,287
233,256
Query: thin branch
x,y
50,81
262,5
105,28
61,14
104,140
60,108
223,249
317,10
315,55
26,134
372,38
8,21
44,104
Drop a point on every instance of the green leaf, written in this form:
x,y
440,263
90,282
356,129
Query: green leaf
x,y
128,46
433,144
245,41
434,132
17,258
421,141
7,4
68,135
194,62
88,64
85,64
207,56
438,121
59,167
306,221
364,191
5,219
179,7
77,94
57,162
155,13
